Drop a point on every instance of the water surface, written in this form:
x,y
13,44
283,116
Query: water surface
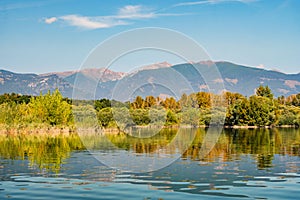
x,y
248,164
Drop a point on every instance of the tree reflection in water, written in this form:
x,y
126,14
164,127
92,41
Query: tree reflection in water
x,y
50,153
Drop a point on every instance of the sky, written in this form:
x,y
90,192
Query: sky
x,y
57,35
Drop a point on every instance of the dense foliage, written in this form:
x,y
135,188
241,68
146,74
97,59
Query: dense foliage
x,y
201,108
49,109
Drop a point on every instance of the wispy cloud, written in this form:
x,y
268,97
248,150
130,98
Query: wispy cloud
x,y
50,20
124,16
191,3
91,22
135,12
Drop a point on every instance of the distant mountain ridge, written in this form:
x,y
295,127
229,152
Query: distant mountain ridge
x,y
32,84
236,78
102,73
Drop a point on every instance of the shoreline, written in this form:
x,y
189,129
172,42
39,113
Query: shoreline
x,y
37,131
67,131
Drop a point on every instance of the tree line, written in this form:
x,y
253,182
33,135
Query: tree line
x,y
203,108
200,108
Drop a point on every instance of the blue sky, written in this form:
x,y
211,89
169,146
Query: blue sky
x,y
57,35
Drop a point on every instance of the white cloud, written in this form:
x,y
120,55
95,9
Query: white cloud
x,y
191,3
135,12
50,20
124,16
83,22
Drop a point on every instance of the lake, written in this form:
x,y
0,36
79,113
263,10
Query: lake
x,y
151,164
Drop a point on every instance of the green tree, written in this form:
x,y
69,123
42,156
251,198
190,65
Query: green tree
x,y
13,97
140,116
105,116
289,115
171,118
203,99
102,103
232,98
184,101
264,92
122,117
51,109
193,100
281,100
157,116
238,113
190,116
262,111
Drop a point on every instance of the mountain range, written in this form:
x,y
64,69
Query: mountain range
x,y
160,79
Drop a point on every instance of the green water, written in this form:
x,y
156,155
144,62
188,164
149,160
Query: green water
x,y
248,164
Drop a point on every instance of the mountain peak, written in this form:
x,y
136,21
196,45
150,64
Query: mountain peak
x,y
164,64
207,62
